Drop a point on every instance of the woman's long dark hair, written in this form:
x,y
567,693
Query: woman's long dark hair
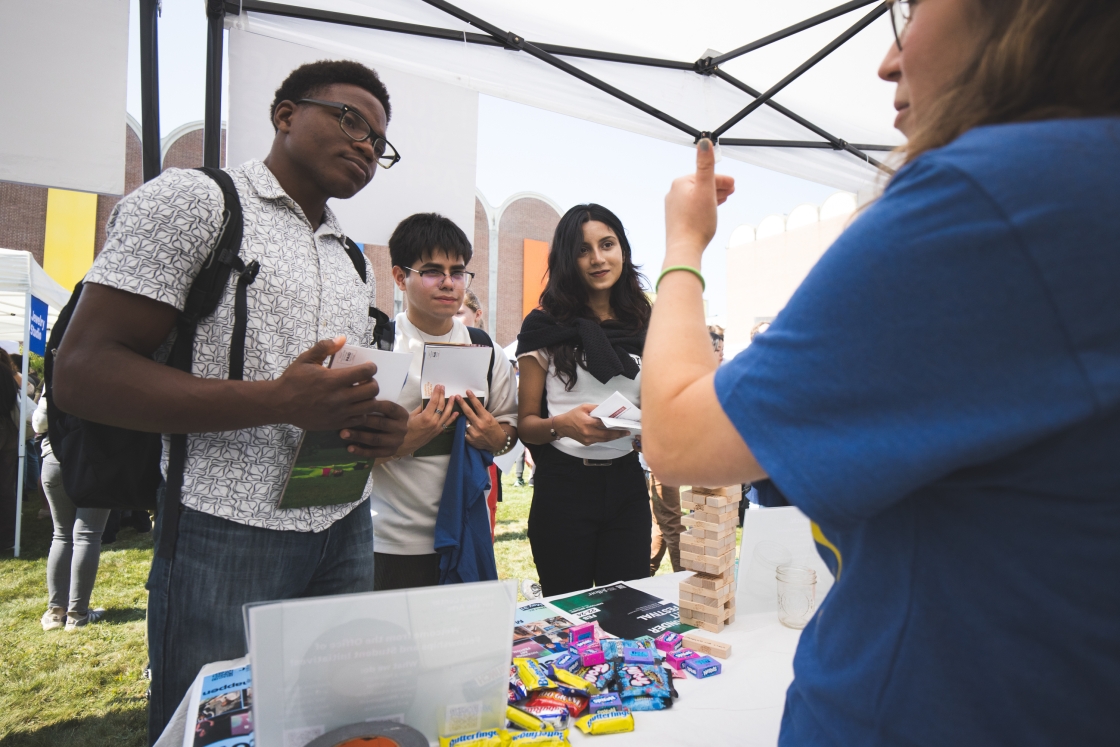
x,y
565,297
8,391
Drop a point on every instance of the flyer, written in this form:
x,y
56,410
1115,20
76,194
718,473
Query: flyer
x,y
221,712
624,611
540,631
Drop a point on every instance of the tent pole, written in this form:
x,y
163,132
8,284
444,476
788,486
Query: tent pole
x,y
212,129
516,42
829,49
808,23
755,143
22,399
149,86
855,150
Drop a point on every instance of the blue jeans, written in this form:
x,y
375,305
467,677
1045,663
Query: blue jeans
x,y
195,599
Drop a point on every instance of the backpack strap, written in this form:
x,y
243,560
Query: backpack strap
x,y
205,294
357,257
479,337
384,329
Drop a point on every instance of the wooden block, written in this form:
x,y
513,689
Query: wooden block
x,y
700,502
695,616
727,490
708,534
707,563
711,606
708,646
696,539
704,581
700,548
704,625
709,596
691,521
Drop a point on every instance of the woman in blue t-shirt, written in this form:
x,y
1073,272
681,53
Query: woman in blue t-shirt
x,y
941,396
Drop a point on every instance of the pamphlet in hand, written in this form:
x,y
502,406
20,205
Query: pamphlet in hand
x,y
619,412
324,472
220,712
457,367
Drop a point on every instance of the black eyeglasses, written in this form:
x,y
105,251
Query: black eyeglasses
x,y
434,278
356,128
900,18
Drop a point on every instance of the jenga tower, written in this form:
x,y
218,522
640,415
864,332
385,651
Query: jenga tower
x,y
707,599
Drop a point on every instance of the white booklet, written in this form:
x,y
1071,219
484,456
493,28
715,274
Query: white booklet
x,y
392,368
619,412
457,367
220,713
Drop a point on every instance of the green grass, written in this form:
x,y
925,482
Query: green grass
x,y
87,687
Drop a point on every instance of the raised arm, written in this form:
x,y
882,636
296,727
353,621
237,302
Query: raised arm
x,y
687,438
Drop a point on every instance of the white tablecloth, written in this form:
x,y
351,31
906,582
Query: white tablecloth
x,y
740,706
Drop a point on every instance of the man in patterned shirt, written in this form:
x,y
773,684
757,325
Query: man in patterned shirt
x,y
234,544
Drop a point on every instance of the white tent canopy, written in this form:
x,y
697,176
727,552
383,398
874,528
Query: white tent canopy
x,y
20,278
840,95
20,274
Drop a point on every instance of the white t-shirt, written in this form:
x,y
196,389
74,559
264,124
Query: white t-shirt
x,y
587,390
405,492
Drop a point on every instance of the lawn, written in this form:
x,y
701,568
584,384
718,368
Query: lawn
x,y
87,687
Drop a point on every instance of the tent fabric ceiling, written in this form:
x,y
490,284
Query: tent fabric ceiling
x,y
840,94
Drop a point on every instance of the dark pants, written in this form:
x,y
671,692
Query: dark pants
x,y
404,571
588,526
195,599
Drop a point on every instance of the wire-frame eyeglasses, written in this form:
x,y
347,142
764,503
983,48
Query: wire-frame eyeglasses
x,y
355,127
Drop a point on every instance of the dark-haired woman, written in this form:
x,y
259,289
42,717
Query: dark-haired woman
x,y
9,456
589,523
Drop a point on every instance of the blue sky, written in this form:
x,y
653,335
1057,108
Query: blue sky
x,y
569,160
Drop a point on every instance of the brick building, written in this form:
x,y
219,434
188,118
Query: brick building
x,y
65,230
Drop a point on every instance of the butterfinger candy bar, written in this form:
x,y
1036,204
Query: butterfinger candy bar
x,y
533,674
488,738
545,738
612,721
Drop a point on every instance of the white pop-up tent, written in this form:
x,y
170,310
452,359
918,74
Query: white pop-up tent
x,y
21,278
788,86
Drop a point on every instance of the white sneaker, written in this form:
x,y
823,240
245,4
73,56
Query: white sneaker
x,y
530,589
73,622
54,618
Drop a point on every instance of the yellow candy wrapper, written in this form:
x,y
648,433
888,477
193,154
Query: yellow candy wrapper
x,y
547,738
612,721
575,682
487,738
533,674
524,720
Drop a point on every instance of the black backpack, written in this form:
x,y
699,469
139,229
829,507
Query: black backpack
x,y
103,466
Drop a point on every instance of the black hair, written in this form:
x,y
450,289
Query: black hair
x,y
306,80
17,362
8,392
420,235
565,296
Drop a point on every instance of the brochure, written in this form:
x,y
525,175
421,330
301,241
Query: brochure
x,y
540,631
457,367
220,712
323,472
619,412
624,611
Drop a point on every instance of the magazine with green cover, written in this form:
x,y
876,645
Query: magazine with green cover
x,y
624,611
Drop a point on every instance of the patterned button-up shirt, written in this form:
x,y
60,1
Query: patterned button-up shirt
x,y
307,290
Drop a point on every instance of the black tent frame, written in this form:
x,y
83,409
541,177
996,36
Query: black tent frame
x,y
550,54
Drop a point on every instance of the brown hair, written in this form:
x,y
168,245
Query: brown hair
x,y
1040,59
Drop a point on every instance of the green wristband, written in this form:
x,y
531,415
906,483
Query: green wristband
x,y
685,268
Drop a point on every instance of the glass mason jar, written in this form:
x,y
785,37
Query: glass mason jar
x,y
797,588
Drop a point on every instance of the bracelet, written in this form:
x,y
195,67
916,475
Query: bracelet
x,y
685,268
552,429
505,449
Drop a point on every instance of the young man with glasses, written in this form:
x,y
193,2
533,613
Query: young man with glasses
x,y
430,255
233,544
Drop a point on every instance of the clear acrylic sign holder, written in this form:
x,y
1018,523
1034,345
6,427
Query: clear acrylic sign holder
x,y
434,658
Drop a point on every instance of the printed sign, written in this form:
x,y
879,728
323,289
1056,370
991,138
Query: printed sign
x,y
37,342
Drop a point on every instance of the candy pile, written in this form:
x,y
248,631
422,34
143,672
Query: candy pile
x,y
596,685
707,599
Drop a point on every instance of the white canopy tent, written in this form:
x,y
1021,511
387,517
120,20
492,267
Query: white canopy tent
x,y
21,277
805,86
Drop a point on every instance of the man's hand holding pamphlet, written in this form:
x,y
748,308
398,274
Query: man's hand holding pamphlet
x,y
324,471
458,368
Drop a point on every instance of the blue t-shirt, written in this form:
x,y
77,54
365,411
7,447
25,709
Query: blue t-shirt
x,y
942,396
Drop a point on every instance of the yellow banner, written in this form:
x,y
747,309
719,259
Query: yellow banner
x,y
71,227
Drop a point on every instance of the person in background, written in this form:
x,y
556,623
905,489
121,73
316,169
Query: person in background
x,y
430,255
526,459
9,455
589,523
665,506
75,547
940,395
716,333
470,314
